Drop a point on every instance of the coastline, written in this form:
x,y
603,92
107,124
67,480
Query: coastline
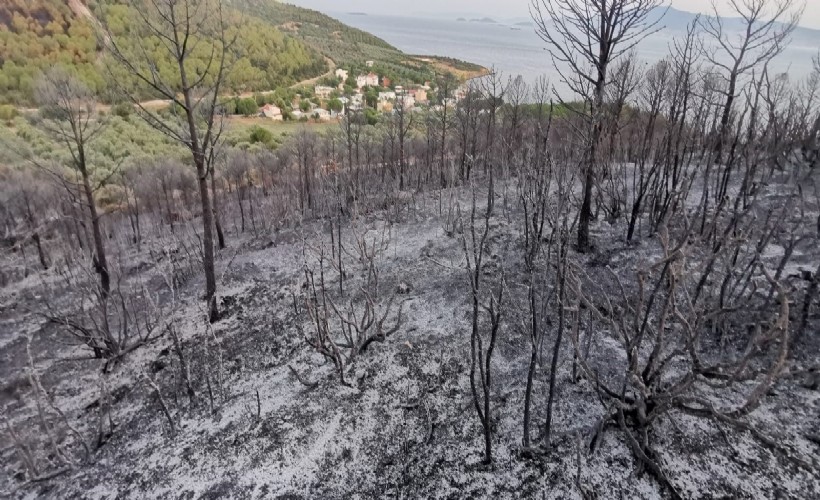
x,y
463,70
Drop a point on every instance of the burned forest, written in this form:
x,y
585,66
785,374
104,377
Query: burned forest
x,y
514,291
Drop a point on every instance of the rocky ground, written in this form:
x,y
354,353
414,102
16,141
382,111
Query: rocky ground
x,y
403,428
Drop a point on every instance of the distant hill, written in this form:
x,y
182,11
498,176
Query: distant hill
x,y
36,34
346,46
678,20
334,39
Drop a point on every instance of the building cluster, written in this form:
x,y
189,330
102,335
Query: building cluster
x,y
389,98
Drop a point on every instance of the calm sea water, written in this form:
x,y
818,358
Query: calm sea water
x,y
521,51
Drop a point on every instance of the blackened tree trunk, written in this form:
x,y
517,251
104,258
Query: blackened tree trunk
x,y
194,92
75,125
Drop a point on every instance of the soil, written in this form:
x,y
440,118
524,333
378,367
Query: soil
x,y
405,427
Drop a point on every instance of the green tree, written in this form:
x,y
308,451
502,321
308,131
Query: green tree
x,y
246,107
335,105
261,135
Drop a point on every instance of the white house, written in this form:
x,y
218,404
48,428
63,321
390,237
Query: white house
x,y
321,114
369,64
356,101
342,73
408,100
387,96
370,79
322,91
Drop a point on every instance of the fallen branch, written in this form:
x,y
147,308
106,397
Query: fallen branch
x,y
309,385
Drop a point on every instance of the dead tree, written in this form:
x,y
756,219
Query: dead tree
x,y
535,183
403,122
493,90
583,34
304,149
71,120
766,27
343,328
467,127
54,434
443,118
671,184
196,123
653,92
27,199
481,355
668,364
108,329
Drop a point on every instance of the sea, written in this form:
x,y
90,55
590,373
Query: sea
x,y
515,48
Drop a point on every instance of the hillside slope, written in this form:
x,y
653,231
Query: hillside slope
x,y
349,47
35,34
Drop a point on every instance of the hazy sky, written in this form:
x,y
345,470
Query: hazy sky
x,y
503,8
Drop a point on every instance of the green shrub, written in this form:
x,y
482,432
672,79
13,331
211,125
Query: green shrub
x,y
123,110
335,105
247,107
261,135
7,112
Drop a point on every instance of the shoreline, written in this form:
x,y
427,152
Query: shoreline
x,y
463,70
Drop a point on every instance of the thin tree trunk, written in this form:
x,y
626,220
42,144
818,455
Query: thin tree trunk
x,y
220,236
100,262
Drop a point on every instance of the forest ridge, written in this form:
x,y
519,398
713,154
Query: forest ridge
x,y
277,45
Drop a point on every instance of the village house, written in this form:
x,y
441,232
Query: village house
x,y
322,91
420,95
387,96
368,80
408,100
369,64
356,102
384,106
343,74
271,111
386,82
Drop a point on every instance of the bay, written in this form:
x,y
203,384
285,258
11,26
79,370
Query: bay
x,y
517,49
